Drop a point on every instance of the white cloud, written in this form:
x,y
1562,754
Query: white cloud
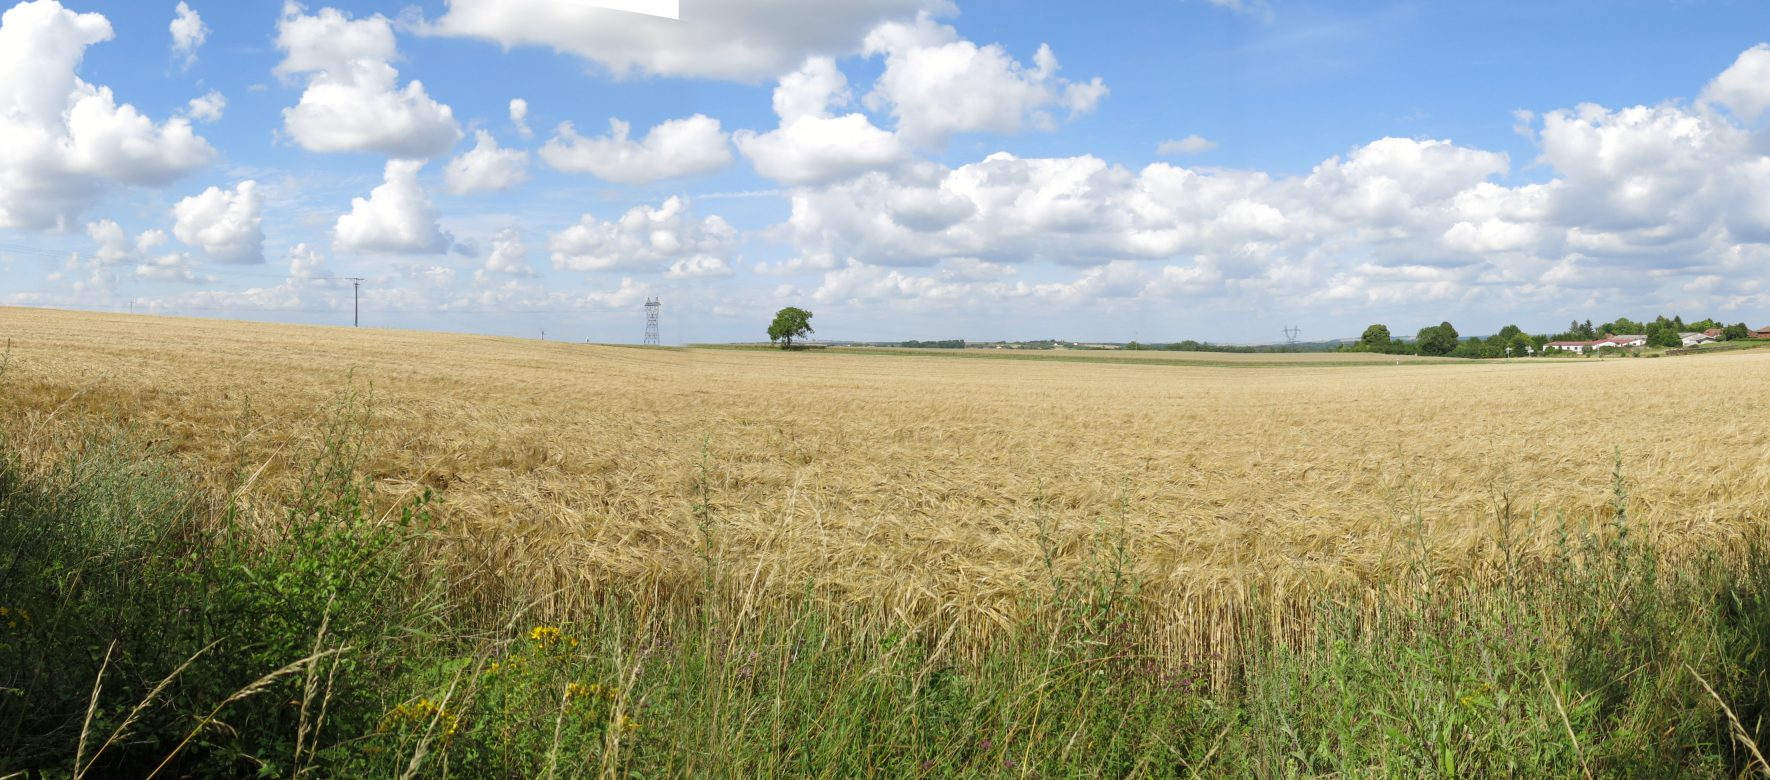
x,y
1192,144
937,84
174,267
114,245
519,116
353,101
188,34
1256,8
396,218
1639,203
748,41
679,147
644,239
306,262
510,257
1744,87
209,107
699,267
1646,174
811,146
486,168
229,226
67,141
1394,197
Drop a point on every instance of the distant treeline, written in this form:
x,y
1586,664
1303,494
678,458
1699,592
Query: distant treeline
x,y
945,344
1443,340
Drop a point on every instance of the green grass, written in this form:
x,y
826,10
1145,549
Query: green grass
x,y
1734,346
149,625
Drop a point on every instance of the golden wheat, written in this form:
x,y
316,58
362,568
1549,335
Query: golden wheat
x,y
915,487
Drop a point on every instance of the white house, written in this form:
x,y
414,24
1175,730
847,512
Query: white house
x,y
1620,342
1577,347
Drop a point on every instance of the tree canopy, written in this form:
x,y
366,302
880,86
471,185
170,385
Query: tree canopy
x,y
1438,339
1376,337
789,323
1663,334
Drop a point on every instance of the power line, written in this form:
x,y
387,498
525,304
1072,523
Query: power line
x,y
1291,333
48,254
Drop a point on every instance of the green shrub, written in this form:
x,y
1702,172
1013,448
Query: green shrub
x,y
197,639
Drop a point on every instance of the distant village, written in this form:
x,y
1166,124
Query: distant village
x,y
1636,341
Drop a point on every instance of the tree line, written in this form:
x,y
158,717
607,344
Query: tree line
x,y
1443,340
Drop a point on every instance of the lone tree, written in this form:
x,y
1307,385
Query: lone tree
x,y
789,323
1438,339
1376,338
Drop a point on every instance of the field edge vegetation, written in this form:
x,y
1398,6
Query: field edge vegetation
x,y
150,626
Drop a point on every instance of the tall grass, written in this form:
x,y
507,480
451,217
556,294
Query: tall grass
x,y
151,626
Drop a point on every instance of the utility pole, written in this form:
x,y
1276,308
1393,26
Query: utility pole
x,y
356,300
652,305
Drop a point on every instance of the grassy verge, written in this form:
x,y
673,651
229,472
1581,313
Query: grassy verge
x,y
150,628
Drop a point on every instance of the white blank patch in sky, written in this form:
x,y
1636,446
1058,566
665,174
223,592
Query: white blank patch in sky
x,y
669,9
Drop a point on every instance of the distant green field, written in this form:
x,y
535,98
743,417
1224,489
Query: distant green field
x,y
1188,359
1734,346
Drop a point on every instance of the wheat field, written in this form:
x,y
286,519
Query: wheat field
x,y
931,488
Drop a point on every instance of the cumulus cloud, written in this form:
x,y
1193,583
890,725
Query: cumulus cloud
x,y
209,107
1744,87
937,83
188,34
173,267
510,257
811,146
353,101
115,246
680,147
1192,144
1636,202
747,42
486,168
666,238
67,141
519,116
396,218
226,225
306,262
698,267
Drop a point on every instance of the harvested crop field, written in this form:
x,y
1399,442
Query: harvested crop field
x,y
929,488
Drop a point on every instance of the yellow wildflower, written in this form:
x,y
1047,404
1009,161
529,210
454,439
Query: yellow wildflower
x,y
551,636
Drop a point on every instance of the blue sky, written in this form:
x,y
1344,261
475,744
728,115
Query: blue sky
x,y
904,168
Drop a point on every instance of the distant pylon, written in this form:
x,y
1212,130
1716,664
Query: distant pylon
x,y
1291,333
652,305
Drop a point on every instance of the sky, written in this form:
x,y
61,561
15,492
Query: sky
x,y
905,169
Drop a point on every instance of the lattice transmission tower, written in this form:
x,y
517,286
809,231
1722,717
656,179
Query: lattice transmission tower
x,y
652,305
1291,333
